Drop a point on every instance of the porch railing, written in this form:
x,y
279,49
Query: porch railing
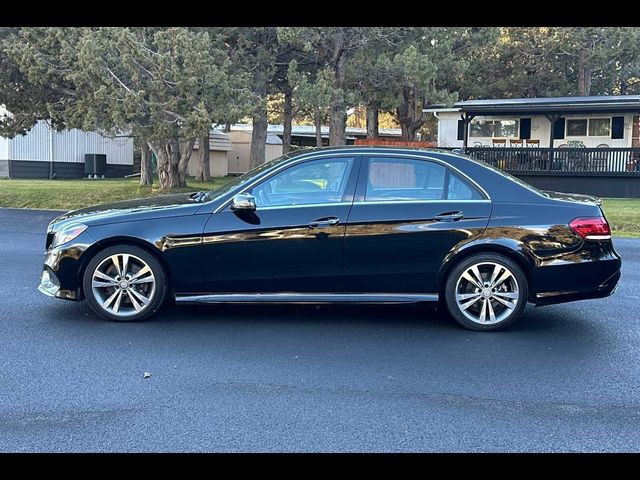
x,y
584,161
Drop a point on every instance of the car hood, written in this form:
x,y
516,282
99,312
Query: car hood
x,y
573,197
129,210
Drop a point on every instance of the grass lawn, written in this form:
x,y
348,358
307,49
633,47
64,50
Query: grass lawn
x,y
623,213
72,194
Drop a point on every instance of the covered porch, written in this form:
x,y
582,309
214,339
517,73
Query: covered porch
x,y
573,144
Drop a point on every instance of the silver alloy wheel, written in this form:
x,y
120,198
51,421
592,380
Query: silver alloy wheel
x,y
123,284
487,293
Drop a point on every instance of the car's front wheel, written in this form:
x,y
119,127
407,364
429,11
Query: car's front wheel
x,y
486,292
124,283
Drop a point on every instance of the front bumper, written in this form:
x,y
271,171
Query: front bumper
x,y
62,270
50,286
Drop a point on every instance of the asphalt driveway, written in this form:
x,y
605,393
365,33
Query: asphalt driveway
x,y
303,378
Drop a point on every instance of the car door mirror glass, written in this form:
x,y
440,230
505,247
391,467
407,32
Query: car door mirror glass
x,y
243,202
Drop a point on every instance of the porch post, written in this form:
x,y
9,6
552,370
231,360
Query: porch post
x,y
552,119
466,118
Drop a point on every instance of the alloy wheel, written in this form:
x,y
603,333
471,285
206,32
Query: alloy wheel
x,y
123,284
487,293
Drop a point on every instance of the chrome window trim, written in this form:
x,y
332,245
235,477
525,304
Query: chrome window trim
x,y
306,205
404,202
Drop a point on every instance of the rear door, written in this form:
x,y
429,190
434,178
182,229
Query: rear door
x,y
408,214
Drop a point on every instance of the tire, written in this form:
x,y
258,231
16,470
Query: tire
x,y
501,301
131,297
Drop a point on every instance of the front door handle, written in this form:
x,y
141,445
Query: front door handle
x,y
324,222
449,216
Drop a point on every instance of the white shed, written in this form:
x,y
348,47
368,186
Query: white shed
x,y
43,151
239,156
219,146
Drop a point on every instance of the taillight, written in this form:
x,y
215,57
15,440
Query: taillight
x,y
591,228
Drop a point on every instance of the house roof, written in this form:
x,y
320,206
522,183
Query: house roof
x,y
310,130
218,141
548,105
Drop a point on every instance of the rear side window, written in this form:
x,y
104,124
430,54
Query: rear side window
x,y
403,179
459,189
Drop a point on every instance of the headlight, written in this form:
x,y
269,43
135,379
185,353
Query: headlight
x,y
68,233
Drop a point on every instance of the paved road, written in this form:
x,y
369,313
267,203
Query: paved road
x,y
301,378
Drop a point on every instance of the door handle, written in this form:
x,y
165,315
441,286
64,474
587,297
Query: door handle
x,y
324,222
449,216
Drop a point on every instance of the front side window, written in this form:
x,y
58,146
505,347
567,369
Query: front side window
x,y
494,128
314,182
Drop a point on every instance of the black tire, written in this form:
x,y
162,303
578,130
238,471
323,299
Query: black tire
x,y
510,315
155,300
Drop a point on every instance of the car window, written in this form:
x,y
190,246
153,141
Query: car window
x,y
313,182
404,179
459,189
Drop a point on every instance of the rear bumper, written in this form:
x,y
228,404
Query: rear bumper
x,y
592,271
608,287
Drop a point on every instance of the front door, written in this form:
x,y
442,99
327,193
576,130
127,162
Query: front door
x,y
293,242
408,214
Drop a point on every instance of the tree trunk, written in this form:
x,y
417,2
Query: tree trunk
x,y
337,124
146,171
317,119
260,120
337,113
584,76
287,120
168,156
372,122
203,167
258,139
410,116
184,154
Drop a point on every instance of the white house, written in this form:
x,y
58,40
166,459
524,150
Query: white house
x,y
595,121
45,153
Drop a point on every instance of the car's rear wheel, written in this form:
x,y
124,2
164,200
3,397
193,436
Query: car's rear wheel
x,y
124,283
486,292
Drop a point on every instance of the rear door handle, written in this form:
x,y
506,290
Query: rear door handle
x,y
449,216
324,222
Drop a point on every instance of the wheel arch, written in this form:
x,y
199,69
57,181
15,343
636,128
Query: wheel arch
x,y
97,247
512,252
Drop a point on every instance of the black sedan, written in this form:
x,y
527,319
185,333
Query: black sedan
x,y
352,224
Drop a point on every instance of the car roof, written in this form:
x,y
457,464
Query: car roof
x,y
365,149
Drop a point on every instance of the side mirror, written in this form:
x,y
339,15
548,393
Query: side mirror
x,y
243,202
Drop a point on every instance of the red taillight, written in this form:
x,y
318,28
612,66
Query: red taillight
x,y
591,228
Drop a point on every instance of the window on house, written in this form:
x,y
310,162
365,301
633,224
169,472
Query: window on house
x,y
494,128
577,128
599,127
592,127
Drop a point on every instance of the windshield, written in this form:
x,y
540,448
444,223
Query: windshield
x,y
237,182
